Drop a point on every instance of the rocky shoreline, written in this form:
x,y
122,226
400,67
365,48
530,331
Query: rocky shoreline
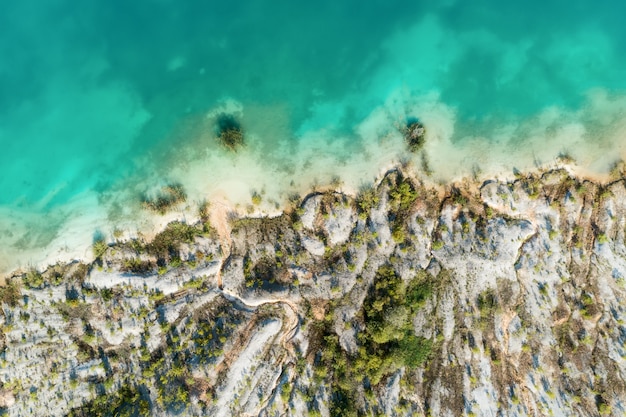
x,y
468,299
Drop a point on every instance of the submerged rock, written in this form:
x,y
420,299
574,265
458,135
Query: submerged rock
x,y
230,132
415,136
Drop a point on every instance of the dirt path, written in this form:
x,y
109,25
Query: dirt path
x,y
290,325
219,219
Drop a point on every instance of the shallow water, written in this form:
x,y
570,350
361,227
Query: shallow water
x,y
100,101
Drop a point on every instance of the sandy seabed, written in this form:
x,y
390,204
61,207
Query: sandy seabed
x,y
590,141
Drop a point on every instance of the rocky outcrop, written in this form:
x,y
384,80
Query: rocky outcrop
x,y
500,299
6,398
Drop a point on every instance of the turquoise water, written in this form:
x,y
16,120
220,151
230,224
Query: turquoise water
x,y
95,94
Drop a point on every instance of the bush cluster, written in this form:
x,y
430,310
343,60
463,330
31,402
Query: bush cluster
x,y
387,341
166,245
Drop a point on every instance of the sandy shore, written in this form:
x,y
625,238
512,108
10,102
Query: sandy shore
x,y
276,169
75,237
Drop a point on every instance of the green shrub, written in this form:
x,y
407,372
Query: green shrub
x,y
127,401
413,350
418,290
11,292
487,301
33,279
285,392
99,248
398,235
167,243
385,344
588,308
138,266
366,200
402,195
194,283
203,210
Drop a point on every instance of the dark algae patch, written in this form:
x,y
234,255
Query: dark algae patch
x,y
229,132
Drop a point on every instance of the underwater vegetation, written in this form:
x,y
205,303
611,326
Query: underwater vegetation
x,y
230,132
165,199
415,135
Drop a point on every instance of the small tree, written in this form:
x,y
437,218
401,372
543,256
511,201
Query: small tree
x,y
99,247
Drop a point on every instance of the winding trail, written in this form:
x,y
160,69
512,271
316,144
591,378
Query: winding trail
x,y
290,327
249,338
219,220
289,321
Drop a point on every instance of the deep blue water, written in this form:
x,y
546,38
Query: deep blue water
x,y
91,90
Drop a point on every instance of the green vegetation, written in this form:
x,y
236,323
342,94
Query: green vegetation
x,y
80,273
99,247
204,214
387,313
213,329
129,401
402,196
165,199
588,308
166,245
199,342
398,235
261,274
118,233
55,276
487,303
172,381
437,244
11,292
33,279
458,198
604,193
387,341
604,409
366,200
195,283
285,392
532,185
138,266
